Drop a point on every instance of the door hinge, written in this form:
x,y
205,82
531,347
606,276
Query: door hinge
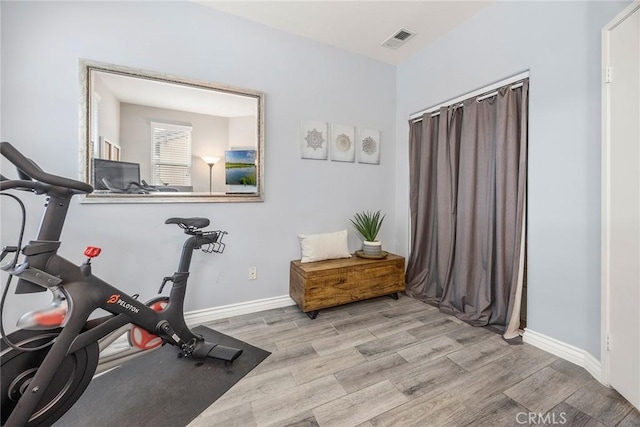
x,y
608,78
608,343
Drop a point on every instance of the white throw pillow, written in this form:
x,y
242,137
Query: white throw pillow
x,y
318,247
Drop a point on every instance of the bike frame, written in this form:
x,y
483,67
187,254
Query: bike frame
x,y
85,293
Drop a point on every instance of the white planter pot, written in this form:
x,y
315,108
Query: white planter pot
x,y
372,248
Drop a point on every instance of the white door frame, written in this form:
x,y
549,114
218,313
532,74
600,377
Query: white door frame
x,y
606,197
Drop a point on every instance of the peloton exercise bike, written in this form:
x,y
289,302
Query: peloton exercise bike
x,y
47,365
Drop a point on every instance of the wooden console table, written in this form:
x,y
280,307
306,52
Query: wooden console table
x,y
323,284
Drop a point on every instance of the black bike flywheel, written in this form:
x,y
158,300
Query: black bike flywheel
x,y
68,384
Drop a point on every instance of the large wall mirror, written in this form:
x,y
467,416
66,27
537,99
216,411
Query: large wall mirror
x,y
152,137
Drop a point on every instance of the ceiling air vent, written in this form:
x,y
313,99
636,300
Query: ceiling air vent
x,y
398,38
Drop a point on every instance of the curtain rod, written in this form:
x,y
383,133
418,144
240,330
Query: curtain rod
x,y
482,93
478,99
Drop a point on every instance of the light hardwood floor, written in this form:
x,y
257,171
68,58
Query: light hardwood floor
x,y
401,363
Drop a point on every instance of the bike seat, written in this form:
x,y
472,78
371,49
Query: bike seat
x,y
189,222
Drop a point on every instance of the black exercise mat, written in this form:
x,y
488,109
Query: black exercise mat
x,y
158,389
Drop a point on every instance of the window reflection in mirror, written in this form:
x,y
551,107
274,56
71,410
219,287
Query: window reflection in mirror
x,y
153,137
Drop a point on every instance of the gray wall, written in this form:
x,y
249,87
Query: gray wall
x,y
209,137
559,43
41,47
108,114
242,132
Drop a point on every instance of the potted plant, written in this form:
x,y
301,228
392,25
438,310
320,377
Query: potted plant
x,y
368,225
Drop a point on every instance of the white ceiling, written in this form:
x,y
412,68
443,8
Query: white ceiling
x,y
358,26
154,93
355,26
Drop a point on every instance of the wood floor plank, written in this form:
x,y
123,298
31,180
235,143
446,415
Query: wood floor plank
x,y
476,388
435,328
500,411
371,372
432,315
284,316
427,378
304,335
255,387
525,360
240,327
326,365
602,403
631,420
285,358
565,414
362,321
479,354
387,345
394,326
340,342
324,317
303,419
404,300
370,306
358,407
287,404
404,310
236,416
429,350
429,410
571,370
468,335
544,390
268,333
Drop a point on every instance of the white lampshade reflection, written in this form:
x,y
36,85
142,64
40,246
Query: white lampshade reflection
x,y
210,160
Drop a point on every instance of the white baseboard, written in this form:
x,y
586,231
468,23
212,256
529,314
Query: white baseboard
x,y
565,351
592,365
198,317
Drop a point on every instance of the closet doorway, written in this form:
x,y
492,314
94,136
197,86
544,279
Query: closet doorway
x,y
468,202
620,355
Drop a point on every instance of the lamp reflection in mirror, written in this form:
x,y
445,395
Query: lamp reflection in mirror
x,y
211,161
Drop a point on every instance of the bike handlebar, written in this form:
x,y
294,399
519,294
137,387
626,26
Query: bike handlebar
x,y
32,170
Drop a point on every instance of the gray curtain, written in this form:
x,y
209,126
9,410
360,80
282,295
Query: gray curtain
x,y
468,169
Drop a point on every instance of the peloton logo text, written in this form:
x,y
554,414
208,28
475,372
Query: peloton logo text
x,y
115,299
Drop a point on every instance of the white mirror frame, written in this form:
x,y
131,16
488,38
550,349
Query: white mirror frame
x,y
87,66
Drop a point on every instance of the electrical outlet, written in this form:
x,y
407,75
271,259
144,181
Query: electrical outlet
x,y
253,273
